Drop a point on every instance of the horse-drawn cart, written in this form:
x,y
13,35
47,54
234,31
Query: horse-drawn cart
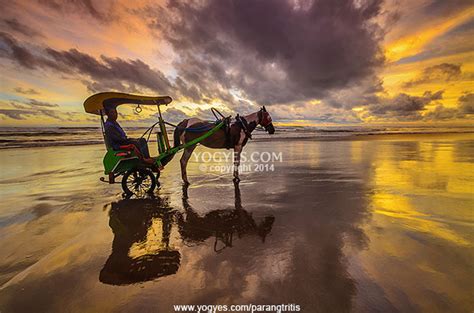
x,y
138,176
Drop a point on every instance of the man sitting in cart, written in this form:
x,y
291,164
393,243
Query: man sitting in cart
x,y
117,138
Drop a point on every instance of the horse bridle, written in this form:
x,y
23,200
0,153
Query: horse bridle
x,y
260,117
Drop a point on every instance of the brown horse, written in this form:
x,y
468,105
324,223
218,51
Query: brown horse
x,y
223,224
235,136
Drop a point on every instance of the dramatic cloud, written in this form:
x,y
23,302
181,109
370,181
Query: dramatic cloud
x,y
78,7
22,110
466,103
438,73
314,61
132,72
273,51
22,114
106,73
362,93
16,114
443,113
29,91
36,103
448,41
313,112
10,48
464,109
404,106
16,26
176,115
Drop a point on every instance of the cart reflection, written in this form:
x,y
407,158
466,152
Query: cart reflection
x,y
141,248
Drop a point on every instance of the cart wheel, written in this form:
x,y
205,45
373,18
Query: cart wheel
x,y
138,182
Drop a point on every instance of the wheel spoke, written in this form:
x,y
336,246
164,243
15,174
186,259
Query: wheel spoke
x,y
139,182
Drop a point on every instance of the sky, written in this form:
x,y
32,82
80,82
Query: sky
x,y
310,62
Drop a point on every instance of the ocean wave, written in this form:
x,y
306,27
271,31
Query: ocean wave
x,y
76,136
49,143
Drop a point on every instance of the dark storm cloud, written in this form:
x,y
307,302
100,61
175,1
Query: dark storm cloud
x,y
361,93
404,106
106,72
443,113
441,72
16,26
98,86
464,109
174,115
10,48
273,51
466,103
29,91
112,69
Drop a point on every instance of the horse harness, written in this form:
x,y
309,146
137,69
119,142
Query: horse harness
x,y
240,122
244,126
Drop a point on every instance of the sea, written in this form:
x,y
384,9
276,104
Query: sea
x,y
27,137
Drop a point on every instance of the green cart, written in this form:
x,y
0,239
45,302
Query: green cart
x,y
138,177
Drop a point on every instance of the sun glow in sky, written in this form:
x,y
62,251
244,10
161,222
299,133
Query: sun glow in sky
x,y
310,62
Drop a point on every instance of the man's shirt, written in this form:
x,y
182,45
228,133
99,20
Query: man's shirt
x,y
114,135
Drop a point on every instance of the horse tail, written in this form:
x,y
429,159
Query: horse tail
x,y
178,131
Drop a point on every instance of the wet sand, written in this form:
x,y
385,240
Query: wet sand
x,y
370,224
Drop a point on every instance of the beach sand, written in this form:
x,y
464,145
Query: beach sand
x,y
365,224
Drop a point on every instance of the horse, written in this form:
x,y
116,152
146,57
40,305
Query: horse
x,y
235,136
222,224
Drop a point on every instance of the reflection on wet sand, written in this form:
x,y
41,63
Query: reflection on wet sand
x,y
379,224
136,256
141,248
222,224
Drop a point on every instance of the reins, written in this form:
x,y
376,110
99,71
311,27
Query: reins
x,y
215,112
219,117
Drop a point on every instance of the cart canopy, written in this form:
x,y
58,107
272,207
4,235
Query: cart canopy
x,y
95,103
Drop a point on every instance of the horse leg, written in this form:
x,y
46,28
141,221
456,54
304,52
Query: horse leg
x,y
237,151
184,162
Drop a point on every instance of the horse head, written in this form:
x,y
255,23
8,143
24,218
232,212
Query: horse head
x,y
266,121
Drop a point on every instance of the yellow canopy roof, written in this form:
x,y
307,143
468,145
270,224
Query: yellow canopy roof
x,y
99,101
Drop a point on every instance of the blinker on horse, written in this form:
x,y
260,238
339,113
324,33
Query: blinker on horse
x,y
235,135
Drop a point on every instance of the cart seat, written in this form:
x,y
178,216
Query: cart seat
x,y
125,150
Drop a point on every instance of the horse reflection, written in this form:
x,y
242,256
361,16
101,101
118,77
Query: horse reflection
x,y
140,249
221,224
